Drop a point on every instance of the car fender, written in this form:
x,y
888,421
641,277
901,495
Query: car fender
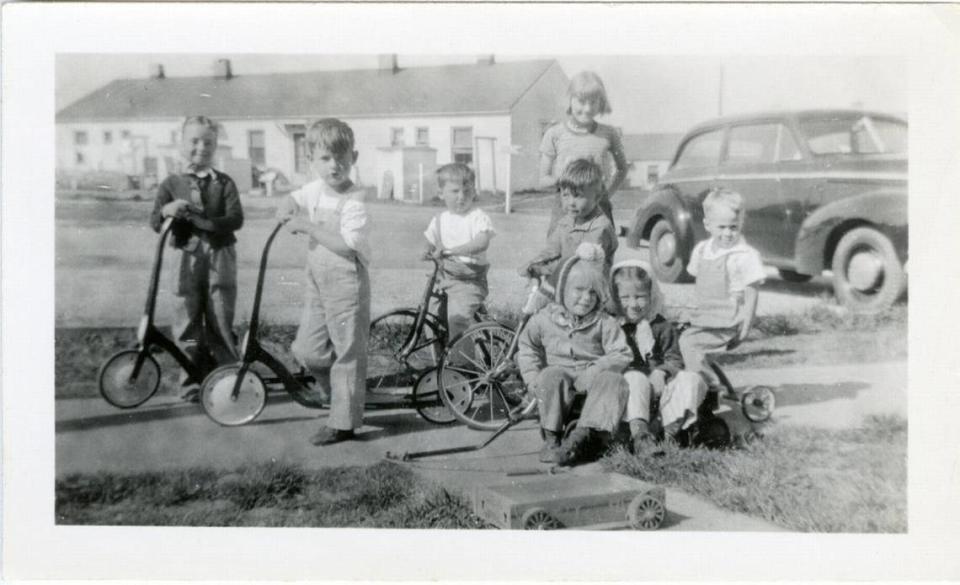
x,y
666,202
884,210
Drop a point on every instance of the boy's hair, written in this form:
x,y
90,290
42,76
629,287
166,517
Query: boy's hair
x,y
579,175
200,121
587,86
722,197
456,172
330,133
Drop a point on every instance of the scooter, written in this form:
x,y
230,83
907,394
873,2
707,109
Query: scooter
x,y
235,394
132,376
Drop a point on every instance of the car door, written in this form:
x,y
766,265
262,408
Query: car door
x,y
748,166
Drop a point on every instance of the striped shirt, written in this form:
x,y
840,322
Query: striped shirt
x,y
564,144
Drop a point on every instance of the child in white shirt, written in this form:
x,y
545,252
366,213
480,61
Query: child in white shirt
x,y
460,236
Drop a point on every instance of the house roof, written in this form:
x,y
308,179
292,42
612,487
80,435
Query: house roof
x,y
654,146
447,89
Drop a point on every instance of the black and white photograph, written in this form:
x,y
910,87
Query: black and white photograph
x,y
460,290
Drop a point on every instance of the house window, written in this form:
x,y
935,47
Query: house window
x,y
80,159
124,134
653,174
300,162
107,137
396,137
80,138
423,136
462,141
257,149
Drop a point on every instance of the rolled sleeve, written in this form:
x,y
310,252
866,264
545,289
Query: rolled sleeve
x,y
432,232
746,269
355,226
482,224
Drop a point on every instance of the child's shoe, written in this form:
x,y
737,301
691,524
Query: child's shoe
x,y
575,446
550,452
190,393
329,436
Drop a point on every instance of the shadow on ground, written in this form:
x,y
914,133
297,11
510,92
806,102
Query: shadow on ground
x,y
796,394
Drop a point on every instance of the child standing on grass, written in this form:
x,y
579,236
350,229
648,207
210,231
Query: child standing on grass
x,y
728,272
460,237
580,136
331,340
580,189
572,346
657,366
206,209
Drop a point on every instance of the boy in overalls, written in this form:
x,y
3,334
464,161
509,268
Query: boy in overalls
x,y
460,236
331,341
728,273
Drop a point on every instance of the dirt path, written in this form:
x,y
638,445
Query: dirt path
x,y
91,435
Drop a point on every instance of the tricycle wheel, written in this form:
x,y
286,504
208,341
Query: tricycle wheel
x,y
118,384
481,384
388,372
758,403
219,402
539,519
426,399
646,512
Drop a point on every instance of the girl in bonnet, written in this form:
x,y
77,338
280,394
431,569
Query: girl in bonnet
x,y
657,366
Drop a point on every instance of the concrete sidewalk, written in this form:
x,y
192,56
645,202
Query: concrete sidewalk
x,y
167,434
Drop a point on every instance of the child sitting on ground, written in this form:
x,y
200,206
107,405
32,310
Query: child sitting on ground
x,y
728,272
572,346
580,187
657,366
207,211
460,236
331,340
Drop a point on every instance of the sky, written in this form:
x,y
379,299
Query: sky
x,y
648,93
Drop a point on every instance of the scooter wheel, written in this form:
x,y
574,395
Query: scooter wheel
x,y
758,403
220,404
120,387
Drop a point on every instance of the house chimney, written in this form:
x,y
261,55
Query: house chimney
x,y
388,64
485,60
223,69
156,71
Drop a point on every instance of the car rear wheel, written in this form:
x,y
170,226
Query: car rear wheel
x,y
666,257
791,276
867,275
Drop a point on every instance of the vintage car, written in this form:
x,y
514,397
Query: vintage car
x,y
823,190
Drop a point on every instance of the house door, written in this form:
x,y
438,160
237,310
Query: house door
x,y
486,163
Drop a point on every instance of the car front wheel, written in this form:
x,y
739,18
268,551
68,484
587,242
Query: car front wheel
x,y
867,275
666,257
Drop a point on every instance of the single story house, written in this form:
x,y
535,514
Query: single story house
x,y
487,114
649,156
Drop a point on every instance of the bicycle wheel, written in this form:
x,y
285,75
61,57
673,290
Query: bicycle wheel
x,y
120,387
480,383
219,403
387,371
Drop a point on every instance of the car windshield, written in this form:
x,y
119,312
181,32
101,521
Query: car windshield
x,y
855,135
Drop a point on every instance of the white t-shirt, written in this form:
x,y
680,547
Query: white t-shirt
x,y
321,203
456,230
744,266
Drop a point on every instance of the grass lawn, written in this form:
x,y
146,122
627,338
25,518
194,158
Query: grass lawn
x,y
385,495
802,479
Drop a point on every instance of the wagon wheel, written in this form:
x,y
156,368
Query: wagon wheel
x,y
758,403
539,519
646,512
